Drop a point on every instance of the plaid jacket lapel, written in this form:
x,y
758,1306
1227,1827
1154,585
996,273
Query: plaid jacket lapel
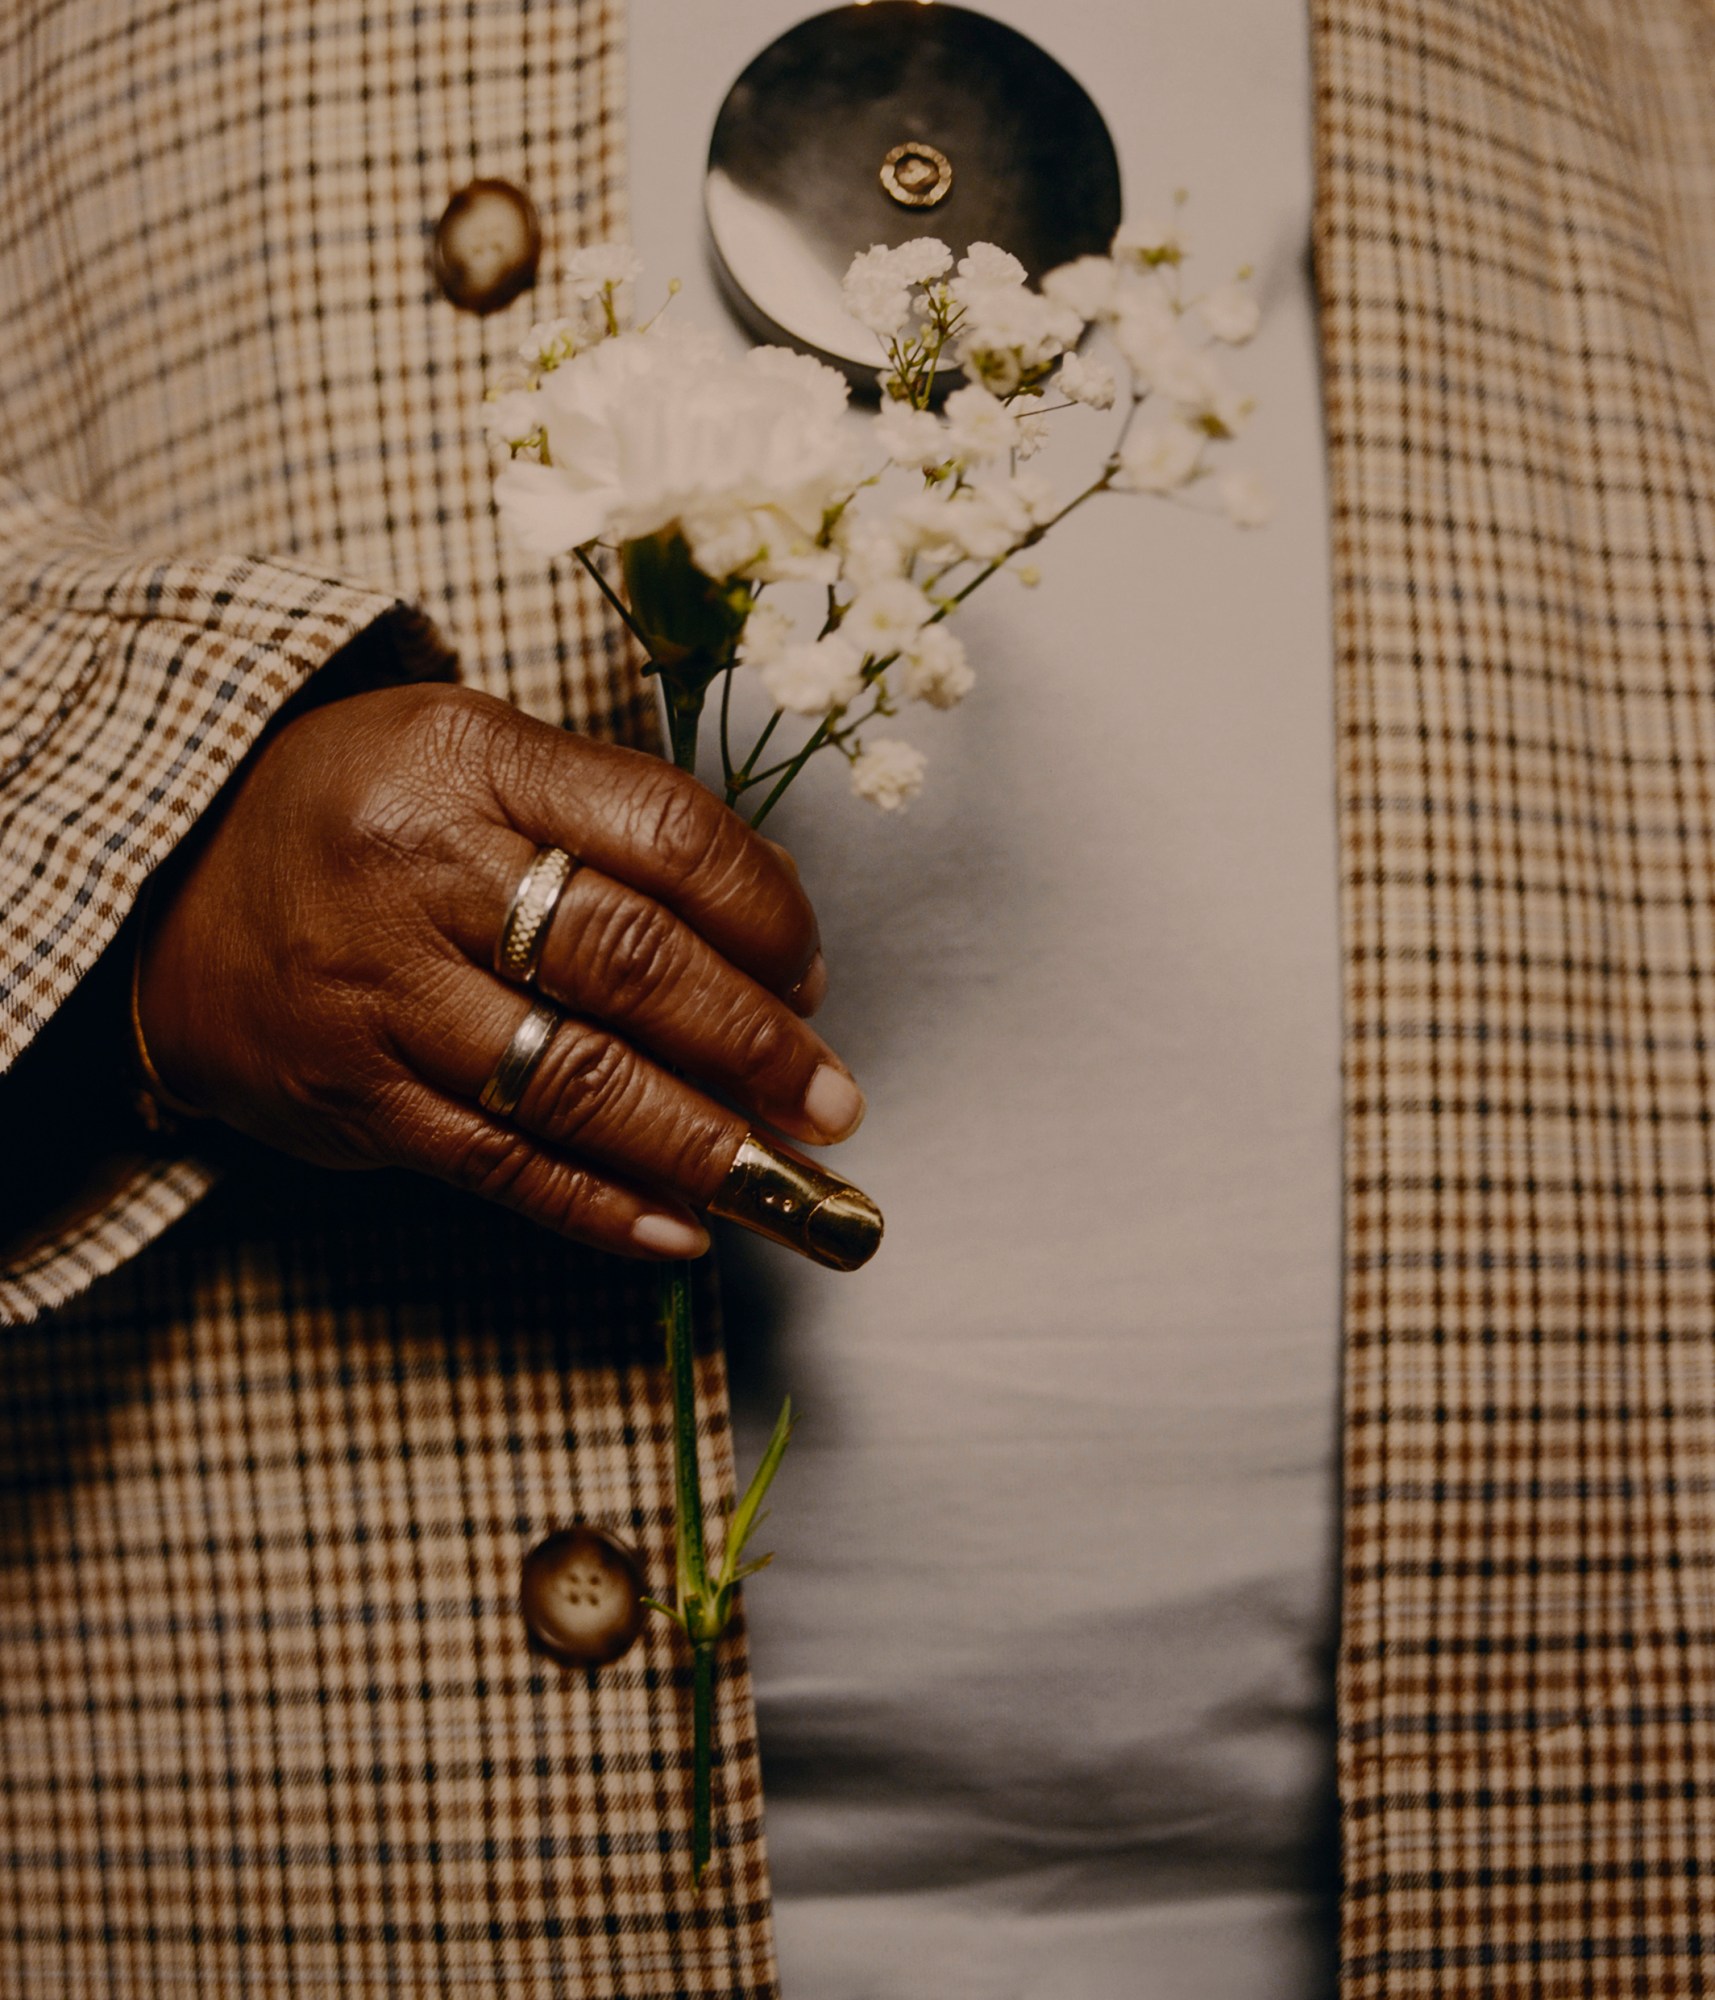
x,y
268,1720
1511,201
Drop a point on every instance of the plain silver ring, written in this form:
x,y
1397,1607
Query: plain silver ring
x,y
517,1064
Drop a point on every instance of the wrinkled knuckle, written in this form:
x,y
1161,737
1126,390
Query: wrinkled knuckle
x,y
490,1162
386,812
396,799
696,1156
680,826
587,1078
636,953
521,758
412,804
769,1053
454,729
574,1203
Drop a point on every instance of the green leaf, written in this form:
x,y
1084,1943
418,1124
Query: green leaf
x,y
746,1517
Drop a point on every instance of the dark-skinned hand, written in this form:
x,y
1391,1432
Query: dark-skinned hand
x,y
318,969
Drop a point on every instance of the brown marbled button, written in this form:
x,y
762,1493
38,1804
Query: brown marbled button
x,y
582,1596
486,246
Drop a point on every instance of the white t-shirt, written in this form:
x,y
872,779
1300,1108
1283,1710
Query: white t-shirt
x,y
1044,1665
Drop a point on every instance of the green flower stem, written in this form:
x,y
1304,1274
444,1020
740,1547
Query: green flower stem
x,y
742,779
695,1599
704,1605
691,1563
684,718
823,730
613,597
692,1577
726,735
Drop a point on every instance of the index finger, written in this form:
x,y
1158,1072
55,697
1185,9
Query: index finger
x,y
657,829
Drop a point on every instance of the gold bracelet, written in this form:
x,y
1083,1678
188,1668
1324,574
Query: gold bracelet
x,y
158,1107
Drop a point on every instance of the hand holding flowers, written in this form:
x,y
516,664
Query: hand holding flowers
x,y
742,524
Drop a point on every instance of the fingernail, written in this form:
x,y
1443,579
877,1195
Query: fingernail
x,y
667,1236
833,1103
799,1204
812,989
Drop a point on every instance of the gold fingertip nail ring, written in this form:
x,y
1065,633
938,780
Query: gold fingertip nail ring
x,y
805,1207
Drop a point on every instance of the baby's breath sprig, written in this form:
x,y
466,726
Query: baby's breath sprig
x,y
713,498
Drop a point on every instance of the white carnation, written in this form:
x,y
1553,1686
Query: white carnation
x,y
936,670
1084,381
911,437
540,511
979,425
883,617
1230,313
1160,458
667,428
1086,285
1247,501
591,270
724,541
792,557
888,773
813,678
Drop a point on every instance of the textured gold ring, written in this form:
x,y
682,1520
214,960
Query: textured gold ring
x,y
517,1064
518,949
799,1204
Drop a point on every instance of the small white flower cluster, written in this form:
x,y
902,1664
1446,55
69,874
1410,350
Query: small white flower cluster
x,y
911,297
599,269
1134,295
614,436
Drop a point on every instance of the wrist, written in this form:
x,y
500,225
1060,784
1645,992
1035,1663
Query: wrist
x,y
161,1108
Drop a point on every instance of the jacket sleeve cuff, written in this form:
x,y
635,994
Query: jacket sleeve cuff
x,y
128,1201
175,677
158,696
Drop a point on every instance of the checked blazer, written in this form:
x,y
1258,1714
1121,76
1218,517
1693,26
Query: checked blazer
x,y
1516,253
267,1721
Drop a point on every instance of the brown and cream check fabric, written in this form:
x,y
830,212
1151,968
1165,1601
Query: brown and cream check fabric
x,y
268,1720
1516,251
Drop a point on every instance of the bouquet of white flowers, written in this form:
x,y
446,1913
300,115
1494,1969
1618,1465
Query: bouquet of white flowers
x,y
728,492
